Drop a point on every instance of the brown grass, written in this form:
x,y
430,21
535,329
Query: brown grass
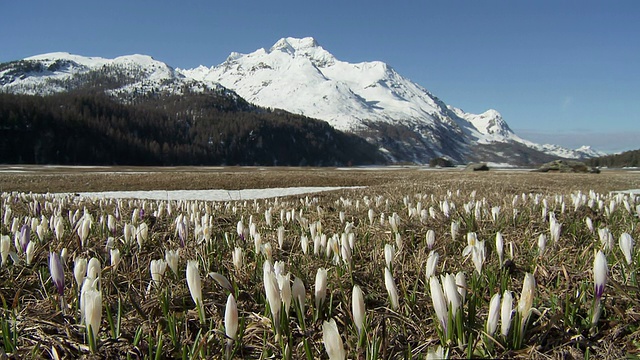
x,y
30,305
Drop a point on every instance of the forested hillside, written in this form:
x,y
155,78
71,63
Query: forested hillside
x,y
625,159
85,128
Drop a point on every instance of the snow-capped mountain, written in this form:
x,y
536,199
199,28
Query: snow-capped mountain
x,y
368,98
124,76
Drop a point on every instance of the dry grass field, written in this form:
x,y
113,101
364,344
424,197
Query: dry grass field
x,y
356,235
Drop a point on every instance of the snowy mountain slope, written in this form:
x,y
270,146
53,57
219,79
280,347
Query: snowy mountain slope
x,y
370,99
123,76
298,75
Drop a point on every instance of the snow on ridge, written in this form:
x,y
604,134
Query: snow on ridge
x,y
298,75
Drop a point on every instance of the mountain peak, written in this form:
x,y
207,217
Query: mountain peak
x,y
292,45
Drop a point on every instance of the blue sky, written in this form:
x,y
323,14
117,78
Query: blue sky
x,y
563,72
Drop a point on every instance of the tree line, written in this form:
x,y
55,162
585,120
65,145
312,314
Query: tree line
x,y
625,159
91,128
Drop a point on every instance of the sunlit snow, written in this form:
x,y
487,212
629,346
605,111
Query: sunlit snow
x,y
210,195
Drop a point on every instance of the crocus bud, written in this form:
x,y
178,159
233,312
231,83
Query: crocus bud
x,y
238,258
128,233
431,238
555,229
505,312
64,255
79,270
542,243
25,235
389,253
478,256
461,283
280,232
93,268
451,293
298,292
357,307
221,280
390,284
231,318
600,271
494,313
589,223
626,245
321,287
5,247
142,234
111,223
172,257
432,263
284,283
92,300
499,246
115,258
57,272
304,244
526,298
332,340
83,230
455,228
195,283
30,252
439,302
273,295
157,268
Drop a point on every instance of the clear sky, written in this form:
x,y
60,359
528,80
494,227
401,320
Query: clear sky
x,y
562,72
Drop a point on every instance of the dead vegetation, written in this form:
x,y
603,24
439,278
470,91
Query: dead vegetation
x,y
163,320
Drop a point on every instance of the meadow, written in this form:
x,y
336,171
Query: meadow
x,y
403,263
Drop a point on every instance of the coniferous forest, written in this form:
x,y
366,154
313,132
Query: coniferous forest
x,y
625,159
91,128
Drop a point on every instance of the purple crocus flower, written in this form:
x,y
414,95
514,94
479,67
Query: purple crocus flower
x,y
182,232
57,272
25,236
600,270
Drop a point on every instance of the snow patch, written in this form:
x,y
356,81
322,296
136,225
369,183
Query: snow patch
x,y
210,195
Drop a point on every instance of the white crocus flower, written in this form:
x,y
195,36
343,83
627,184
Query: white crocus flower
x,y
357,308
500,246
461,284
195,286
432,263
389,254
505,312
390,284
451,293
494,313
172,257
157,269
115,258
431,238
626,245
321,287
332,340
299,293
92,300
231,318
80,270
525,303
439,302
